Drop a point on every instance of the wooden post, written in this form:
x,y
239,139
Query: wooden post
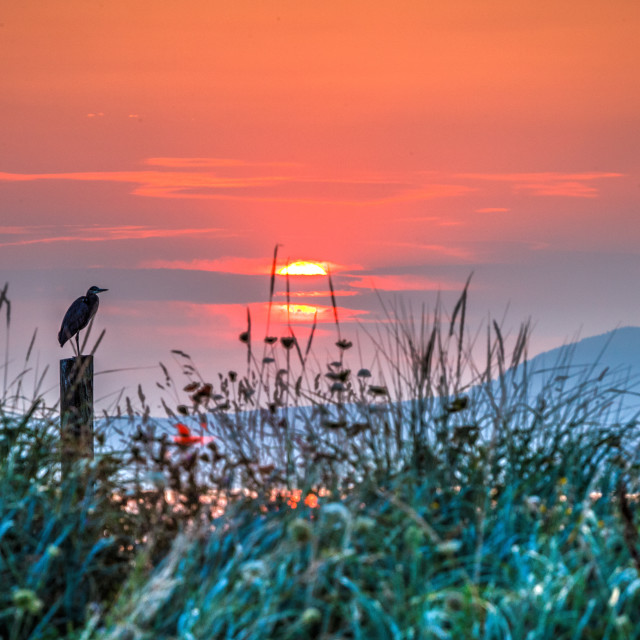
x,y
76,408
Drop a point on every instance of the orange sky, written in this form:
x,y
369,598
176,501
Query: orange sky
x,y
161,149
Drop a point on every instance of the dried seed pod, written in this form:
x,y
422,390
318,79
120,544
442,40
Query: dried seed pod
x,y
457,404
339,376
378,390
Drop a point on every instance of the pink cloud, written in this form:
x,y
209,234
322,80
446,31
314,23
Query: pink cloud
x,y
316,294
545,183
234,316
545,176
568,189
200,163
405,282
237,265
274,186
304,313
448,251
242,266
45,235
14,230
229,179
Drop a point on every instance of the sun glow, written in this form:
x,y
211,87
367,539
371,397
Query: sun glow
x,y
303,268
300,311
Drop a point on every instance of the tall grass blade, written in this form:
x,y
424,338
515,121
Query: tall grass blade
x,y
334,306
85,338
248,336
272,287
461,307
427,358
98,341
501,353
4,301
30,349
519,350
310,340
288,286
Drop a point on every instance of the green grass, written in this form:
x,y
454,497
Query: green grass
x,y
453,501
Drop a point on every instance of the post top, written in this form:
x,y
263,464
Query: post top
x,y
76,358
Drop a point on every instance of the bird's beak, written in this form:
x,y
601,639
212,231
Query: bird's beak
x,y
101,290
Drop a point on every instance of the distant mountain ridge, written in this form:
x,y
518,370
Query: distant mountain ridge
x,y
616,351
609,360
619,350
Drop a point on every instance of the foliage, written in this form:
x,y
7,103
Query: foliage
x,y
400,566
445,500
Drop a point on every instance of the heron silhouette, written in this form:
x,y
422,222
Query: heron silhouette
x,y
78,316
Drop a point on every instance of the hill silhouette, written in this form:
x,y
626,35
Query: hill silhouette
x,y
612,359
619,350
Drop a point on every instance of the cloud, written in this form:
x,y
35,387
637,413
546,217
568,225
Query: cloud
x,y
205,178
317,294
442,250
493,210
403,282
14,230
200,163
236,265
546,183
241,266
419,219
235,315
304,314
220,178
289,188
568,189
49,235
545,176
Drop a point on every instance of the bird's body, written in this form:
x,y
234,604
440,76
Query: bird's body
x,y
78,316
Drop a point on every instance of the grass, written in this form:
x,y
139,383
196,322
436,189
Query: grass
x,y
447,500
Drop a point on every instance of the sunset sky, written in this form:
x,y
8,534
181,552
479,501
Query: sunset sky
x,y
163,148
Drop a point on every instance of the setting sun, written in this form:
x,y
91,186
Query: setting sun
x,y
303,268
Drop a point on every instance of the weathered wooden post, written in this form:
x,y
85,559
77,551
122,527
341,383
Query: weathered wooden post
x,y
76,408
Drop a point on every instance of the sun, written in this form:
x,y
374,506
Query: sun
x,y
303,268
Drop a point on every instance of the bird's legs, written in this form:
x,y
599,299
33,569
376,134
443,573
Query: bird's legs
x,y
78,343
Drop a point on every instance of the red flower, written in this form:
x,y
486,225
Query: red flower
x,y
186,438
183,429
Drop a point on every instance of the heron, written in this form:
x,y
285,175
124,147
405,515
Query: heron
x,y
78,316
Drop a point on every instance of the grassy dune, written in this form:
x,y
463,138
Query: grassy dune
x,y
447,500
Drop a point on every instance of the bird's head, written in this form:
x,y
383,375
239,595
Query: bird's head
x,y
95,289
